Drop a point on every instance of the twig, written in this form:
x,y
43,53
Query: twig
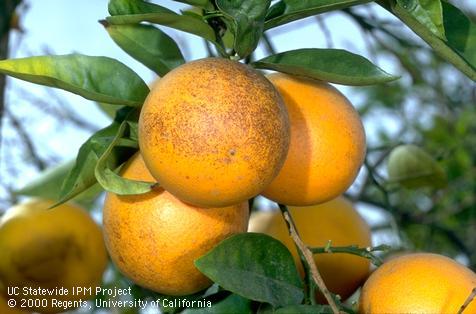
x,y
8,7
325,30
56,109
354,250
268,44
39,163
3,55
468,301
309,260
210,52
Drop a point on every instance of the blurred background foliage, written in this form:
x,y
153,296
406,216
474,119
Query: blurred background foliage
x,y
432,106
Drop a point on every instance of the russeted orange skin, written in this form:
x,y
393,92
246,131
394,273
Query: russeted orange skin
x,y
422,283
214,132
154,238
327,145
335,220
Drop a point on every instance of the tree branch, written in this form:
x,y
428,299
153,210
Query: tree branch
x,y
37,160
354,250
308,259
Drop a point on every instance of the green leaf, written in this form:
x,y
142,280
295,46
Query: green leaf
x,y
184,23
460,32
331,65
255,266
285,11
305,309
113,157
247,22
458,49
123,7
48,184
170,304
149,45
231,304
108,109
82,176
96,78
198,3
428,12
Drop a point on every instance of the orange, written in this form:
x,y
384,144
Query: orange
x,y
336,221
154,238
418,283
45,248
327,145
214,132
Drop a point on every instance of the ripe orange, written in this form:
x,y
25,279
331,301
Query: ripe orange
x,y
154,238
48,248
214,132
327,145
336,221
418,283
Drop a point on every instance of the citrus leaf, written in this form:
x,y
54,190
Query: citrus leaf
x,y
255,266
113,157
96,78
171,304
133,130
82,175
285,11
198,3
184,23
247,22
123,7
459,48
305,309
149,45
48,183
231,304
460,32
108,109
331,65
428,12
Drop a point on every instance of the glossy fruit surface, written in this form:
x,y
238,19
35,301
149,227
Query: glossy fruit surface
x,y
154,238
327,145
418,283
214,132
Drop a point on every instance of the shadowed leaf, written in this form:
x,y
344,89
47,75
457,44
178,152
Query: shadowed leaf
x,y
285,11
149,45
255,266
